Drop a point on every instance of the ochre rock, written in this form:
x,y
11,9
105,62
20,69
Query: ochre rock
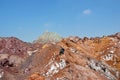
x,y
72,58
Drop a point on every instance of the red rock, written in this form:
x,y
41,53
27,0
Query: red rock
x,y
70,59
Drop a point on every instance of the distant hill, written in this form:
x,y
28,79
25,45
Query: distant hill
x,y
47,37
71,58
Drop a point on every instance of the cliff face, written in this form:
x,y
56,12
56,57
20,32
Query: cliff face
x,y
72,58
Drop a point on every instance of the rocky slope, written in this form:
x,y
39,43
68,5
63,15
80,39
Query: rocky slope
x,y
72,58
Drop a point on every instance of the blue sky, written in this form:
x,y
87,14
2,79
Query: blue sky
x,y
28,19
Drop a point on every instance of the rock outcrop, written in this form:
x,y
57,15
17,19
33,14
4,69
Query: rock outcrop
x,y
72,58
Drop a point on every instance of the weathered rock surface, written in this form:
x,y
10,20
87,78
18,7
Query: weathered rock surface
x,y
72,58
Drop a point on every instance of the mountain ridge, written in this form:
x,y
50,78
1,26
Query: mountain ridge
x,y
71,58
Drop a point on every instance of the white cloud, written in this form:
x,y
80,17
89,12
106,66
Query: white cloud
x,y
19,28
87,11
46,24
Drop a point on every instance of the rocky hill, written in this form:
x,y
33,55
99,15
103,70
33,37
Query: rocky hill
x,y
71,58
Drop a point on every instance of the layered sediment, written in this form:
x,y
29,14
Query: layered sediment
x,y
72,58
